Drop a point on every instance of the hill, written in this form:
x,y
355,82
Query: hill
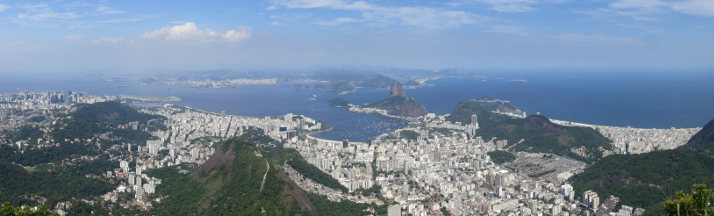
x,y
399,104
535,133
703,140
230,183
21,186
91,119
110,113
646,180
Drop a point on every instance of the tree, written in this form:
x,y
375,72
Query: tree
x,y
699,202
9,210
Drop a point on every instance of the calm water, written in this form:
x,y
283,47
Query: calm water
x,y
636,99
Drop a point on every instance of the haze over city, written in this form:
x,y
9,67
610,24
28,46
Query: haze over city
x,y
141,36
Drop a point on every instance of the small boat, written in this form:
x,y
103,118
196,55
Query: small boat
x,y
313,98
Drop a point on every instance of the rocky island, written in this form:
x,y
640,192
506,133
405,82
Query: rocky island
x,y
398,104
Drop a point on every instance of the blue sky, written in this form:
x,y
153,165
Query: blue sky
x,y
155,35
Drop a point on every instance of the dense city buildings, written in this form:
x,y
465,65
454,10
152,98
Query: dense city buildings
x,y
426,168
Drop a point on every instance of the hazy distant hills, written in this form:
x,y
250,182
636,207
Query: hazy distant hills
x,y
535,133
646,180
398,104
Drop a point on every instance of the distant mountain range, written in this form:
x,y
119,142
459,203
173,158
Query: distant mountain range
x,y
646,180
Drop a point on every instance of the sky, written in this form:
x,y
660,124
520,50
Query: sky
x,y
154,35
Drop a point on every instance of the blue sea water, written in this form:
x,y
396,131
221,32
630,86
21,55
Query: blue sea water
x,y
645,100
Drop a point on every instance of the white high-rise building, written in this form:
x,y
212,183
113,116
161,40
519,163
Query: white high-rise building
x,y
124,165
132,179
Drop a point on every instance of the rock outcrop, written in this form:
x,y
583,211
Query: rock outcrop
x,y
397,90
399,104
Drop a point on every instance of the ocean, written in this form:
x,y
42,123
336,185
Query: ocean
x,y
643,100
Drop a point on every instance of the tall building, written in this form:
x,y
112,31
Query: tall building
x,y
394,210
474,120
132,179
124,165
591,199
345,143
566,190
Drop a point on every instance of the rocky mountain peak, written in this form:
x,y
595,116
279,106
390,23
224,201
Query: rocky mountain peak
x,y
397,90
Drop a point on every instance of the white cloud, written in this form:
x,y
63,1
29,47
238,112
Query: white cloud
x,y
588,38
75,38
241,33
652,10
189,31
507,6
3,7
338,21
108,40
695,7
428,17
106,10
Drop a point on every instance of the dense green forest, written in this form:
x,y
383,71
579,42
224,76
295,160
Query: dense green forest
x,y
704,139
500,157
293,158
537,132
26,132
646,180
56,184
409,135
91,119
9,210
230,188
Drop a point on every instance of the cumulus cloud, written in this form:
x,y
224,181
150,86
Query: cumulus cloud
x,y
242,32
189,31
421,16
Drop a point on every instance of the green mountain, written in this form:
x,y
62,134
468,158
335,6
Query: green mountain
x,y
25,186
91,119
704,139
646,180
230,183
399,104
535,133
